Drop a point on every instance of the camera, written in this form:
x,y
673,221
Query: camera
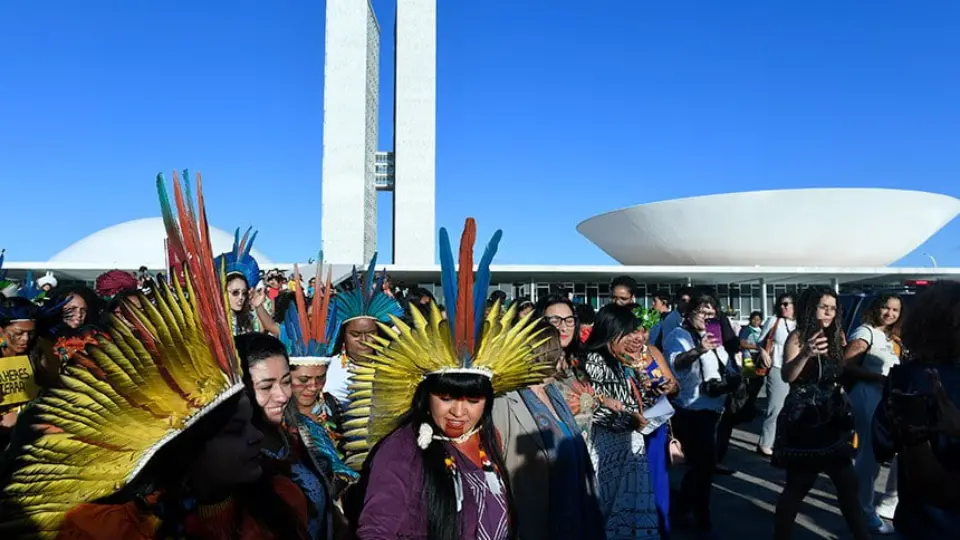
x,y
722,386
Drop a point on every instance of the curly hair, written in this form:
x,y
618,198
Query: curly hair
x,y
873,317
808,325
932,332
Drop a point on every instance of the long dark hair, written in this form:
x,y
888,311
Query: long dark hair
x,y
873,317
253,348
932,331
574,350
612,323
169,468
51,324
439,497
245,316
808,325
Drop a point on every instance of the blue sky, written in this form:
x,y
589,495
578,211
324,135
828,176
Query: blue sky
x,y
548,112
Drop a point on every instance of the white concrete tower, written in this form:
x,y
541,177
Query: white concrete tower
x,y
351,95
415,132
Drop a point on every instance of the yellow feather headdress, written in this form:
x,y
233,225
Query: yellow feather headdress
x,y
383,385
132,392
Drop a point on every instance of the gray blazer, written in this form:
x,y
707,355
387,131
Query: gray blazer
x,y
528,466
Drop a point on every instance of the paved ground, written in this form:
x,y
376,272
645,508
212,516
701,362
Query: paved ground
x,y
743,504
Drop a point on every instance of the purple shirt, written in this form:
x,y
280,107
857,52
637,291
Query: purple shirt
x,y
394,506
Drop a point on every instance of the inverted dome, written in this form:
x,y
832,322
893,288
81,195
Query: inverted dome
x,y
791,227
137,243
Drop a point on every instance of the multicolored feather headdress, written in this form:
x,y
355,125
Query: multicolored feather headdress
x,y
130,394
239,261
494,346
307,330
366,300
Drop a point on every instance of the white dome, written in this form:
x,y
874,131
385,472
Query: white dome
x,y
793,227
137,243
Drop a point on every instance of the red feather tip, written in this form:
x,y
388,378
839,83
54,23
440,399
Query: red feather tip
x,y
194,236
465,338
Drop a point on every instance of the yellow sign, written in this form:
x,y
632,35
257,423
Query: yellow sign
x,y
17,384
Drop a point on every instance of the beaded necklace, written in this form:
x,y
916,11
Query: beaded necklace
x,y
490,473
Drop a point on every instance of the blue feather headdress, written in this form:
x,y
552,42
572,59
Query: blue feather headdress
x,y
239,261
367,299
29,289
307,331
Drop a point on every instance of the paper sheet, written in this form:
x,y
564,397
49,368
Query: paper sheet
x,y
657,415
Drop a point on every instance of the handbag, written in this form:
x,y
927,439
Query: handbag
x,y
815,427
674,448
769,341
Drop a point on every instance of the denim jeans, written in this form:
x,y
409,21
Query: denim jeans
x,y
776,393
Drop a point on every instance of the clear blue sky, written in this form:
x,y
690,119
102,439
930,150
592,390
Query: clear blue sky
x,y
549,112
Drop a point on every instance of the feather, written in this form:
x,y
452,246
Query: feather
x,y
464,336
448,278
482,282
369,283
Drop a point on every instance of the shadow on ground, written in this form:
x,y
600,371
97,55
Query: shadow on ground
x,y
743,504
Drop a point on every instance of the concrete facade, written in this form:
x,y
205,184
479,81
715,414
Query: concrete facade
x,y
415,133
350,128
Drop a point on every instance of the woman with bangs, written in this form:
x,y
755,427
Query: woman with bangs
x,y
410,493
267,378
437,470
618,445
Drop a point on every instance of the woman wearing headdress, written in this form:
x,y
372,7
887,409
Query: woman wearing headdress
x,y
616,352
18,337
17,332
357,312
249,312
304,332
546,458
437,471
266,374
151,436
659,381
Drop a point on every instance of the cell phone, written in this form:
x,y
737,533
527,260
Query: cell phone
x,y
714,329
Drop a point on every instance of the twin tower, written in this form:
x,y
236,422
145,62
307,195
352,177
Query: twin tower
x,y
353,168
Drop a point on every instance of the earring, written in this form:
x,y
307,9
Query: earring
x,y
424,436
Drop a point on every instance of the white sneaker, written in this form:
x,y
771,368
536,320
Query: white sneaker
x,y
879,526
887,508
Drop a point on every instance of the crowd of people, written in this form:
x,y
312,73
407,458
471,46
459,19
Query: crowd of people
x,y
220,401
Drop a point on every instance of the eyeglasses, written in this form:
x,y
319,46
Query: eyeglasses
x,y
828,309
569,322
785,304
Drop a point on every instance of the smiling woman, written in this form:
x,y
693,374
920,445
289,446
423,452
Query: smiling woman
x,y
268,382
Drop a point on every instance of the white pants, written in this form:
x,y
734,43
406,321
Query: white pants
x,y
865,397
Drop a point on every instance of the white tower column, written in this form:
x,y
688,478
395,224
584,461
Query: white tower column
x,y
351,93
415,133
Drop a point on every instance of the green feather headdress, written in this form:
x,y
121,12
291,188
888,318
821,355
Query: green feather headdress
x,y
647,318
